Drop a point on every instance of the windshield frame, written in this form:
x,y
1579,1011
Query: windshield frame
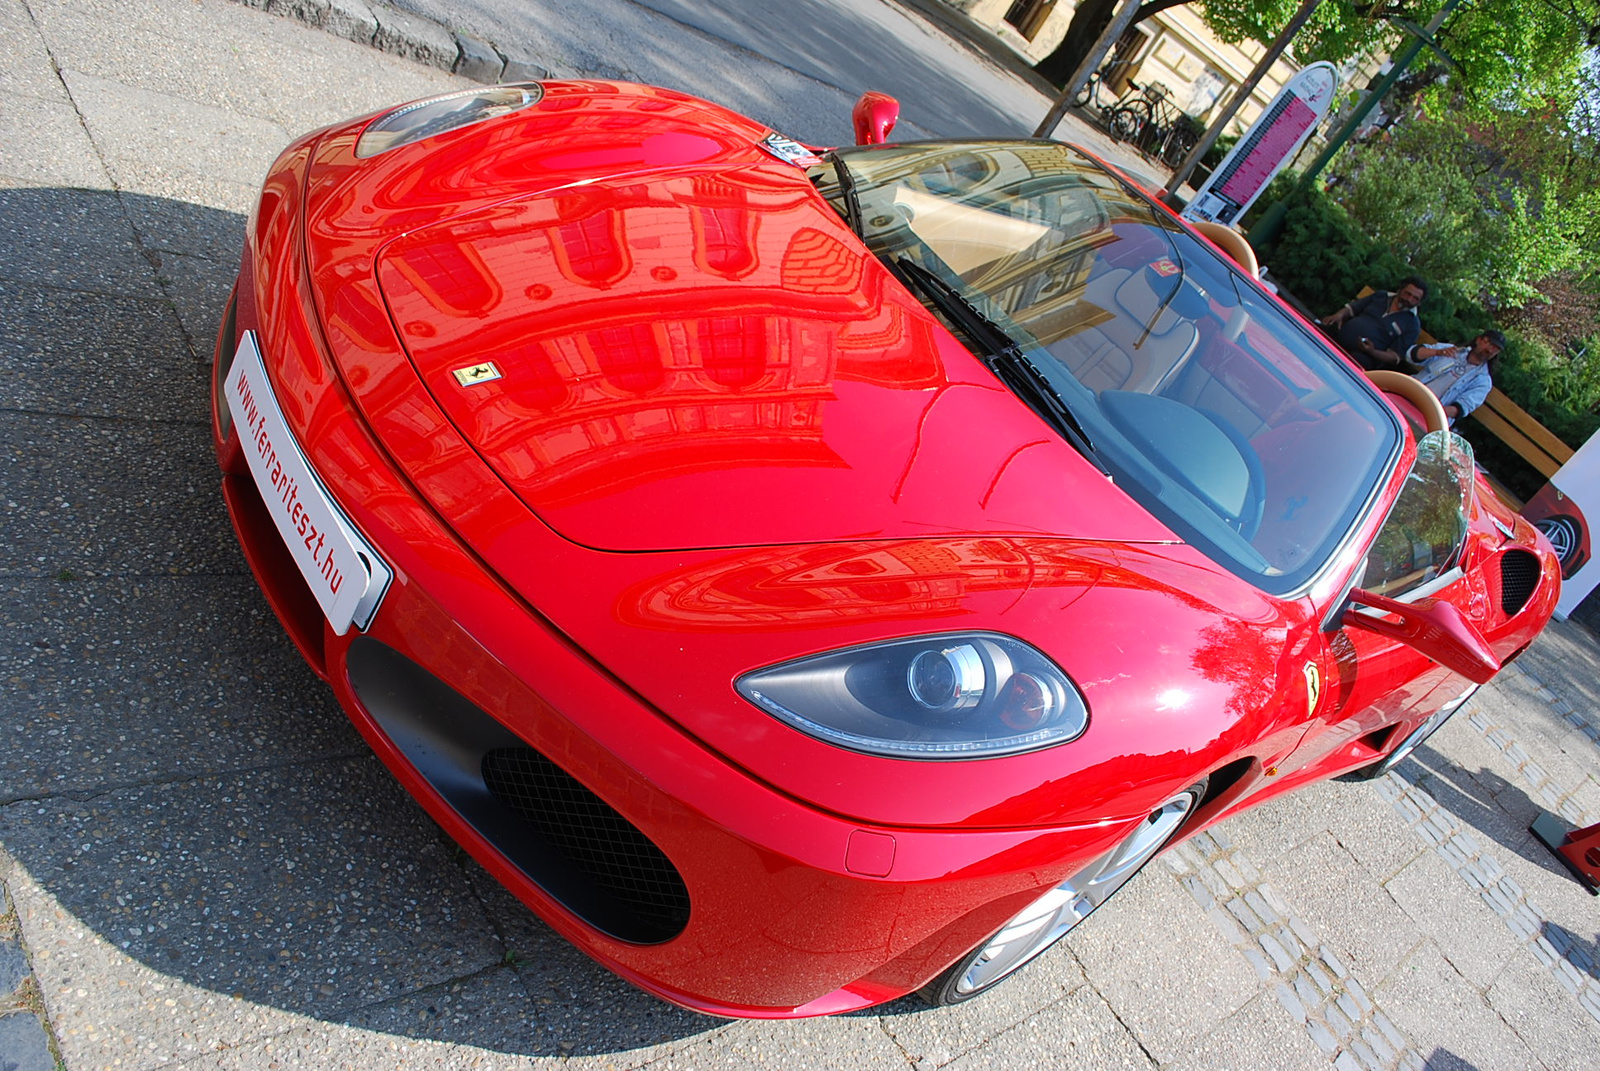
x,y
1366,490
1436,479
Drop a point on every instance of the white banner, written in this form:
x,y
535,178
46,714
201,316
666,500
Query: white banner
x,y
1560,510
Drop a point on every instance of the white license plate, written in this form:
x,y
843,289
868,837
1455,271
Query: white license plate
x,y
345,574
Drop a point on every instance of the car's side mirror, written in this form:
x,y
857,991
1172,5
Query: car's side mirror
x,y
874,116
1431,627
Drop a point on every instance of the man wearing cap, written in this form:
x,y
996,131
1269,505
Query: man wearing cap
x,y
1459,375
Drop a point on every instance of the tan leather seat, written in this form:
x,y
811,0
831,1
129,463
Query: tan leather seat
x,y
1149,332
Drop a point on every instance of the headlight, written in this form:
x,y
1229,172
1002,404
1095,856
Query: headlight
x,y
435,115
959,695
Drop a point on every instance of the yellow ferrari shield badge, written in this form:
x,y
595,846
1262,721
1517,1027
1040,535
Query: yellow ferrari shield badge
x,y
474,374
1313,686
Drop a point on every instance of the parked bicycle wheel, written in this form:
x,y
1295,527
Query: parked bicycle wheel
x,y
1128,122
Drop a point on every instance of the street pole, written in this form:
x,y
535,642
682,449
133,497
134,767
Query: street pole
x,y
1271,221
1240,95
1102,45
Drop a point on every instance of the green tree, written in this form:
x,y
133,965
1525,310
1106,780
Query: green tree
x,y
1496,207
1508,52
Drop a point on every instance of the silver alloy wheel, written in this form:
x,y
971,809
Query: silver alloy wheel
x,y
1563,536
1055,914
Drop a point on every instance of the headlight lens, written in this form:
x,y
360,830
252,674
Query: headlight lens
x,y
958,695
435,115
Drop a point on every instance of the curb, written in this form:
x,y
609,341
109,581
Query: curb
x,y
413,37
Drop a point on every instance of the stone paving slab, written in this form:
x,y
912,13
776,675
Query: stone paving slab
x,y
45,144
22,72
71,239
1429,1002
123,689
1081,1030
1167,1000
170,761
1259,1032
1363,925
130,358
110,497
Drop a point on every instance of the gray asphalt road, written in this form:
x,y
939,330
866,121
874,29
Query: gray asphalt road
x,y
204,867
770,58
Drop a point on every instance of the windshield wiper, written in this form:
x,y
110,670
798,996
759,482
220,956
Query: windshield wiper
x,y
1004,358
1013,368
847,191
991,338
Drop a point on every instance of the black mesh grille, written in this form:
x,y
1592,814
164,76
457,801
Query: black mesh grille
x,y
1519,575
595,839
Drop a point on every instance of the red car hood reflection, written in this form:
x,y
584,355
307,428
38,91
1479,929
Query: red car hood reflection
x,y
785,388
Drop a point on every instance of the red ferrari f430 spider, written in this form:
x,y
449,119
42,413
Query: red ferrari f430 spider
x,y
809,577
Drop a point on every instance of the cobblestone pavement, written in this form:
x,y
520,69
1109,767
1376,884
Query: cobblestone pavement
x,y
204,867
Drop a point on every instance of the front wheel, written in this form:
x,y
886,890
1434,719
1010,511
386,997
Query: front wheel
x,y
1178,146
1059,911
1126,124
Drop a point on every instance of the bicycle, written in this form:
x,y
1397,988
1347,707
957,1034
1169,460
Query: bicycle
x,y
1154,125
1133,116
1090,91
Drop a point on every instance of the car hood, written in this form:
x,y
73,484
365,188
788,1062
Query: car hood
x,y
706,357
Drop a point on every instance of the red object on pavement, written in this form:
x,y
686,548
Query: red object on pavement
x,y
1579,849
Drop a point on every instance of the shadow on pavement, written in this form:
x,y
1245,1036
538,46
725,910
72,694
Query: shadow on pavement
x,y
175,777
1582,954
1487,802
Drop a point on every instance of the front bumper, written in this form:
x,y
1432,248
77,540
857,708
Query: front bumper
x,y
734,898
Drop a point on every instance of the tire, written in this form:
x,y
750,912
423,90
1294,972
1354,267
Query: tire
x,y
1562,531
1059,911
1413,740
1126,124
1082,96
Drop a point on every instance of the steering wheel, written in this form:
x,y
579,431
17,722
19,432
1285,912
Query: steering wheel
x,y
1426,402
1254,507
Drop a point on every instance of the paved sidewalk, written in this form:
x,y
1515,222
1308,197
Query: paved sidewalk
x,y
204,867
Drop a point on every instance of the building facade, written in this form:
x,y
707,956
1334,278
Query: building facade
x,y
1173,49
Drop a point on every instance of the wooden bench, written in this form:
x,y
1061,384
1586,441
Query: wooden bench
x,y
1511,424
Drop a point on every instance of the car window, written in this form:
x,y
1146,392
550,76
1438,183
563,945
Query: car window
x,y
1424,533
1202,397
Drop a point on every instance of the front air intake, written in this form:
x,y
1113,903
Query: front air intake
x,y
593,837
1519,576
566,839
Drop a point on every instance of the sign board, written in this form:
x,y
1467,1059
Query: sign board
x,y
1269,144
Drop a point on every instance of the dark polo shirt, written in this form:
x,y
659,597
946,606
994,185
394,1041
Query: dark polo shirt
x,y
1373,321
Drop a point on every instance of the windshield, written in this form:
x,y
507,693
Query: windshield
x,y
1427,527
1201,397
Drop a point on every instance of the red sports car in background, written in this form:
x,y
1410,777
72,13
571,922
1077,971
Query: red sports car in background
x,y
1560,519
807,578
